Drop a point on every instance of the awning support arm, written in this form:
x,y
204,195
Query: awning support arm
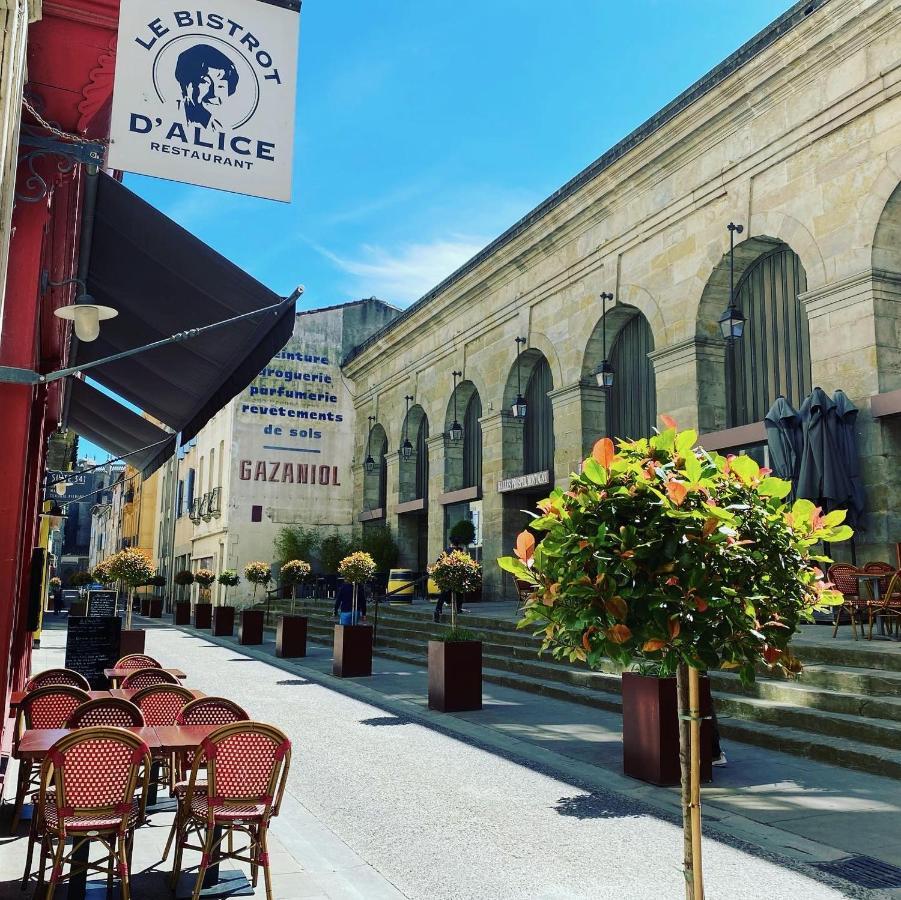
x,y
27,376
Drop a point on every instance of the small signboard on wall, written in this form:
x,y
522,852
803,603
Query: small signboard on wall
x,y
92,645
204,93
524,482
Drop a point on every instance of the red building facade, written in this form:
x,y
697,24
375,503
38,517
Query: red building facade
x,y
70,77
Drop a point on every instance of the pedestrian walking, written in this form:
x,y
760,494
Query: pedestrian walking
x,y
344,604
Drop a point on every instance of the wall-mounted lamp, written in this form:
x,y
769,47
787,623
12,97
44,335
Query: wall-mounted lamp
x,y
519,405
456,430
85,313
406,448
370,462
604,372
732,321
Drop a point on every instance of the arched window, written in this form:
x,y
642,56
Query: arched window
x,y
632,401
472,443
773,355
538,429
422,459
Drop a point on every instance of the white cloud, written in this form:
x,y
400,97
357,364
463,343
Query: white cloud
x,y
411,270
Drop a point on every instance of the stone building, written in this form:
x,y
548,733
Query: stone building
x,y
796,137
278,454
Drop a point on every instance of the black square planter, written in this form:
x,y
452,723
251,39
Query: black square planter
x,y
353,651
183,613
250,631
223,621
455,675
203,615
291,636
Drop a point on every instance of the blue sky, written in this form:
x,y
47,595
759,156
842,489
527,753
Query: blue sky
x,y
425,129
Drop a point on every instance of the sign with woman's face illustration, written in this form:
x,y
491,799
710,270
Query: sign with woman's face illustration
x,y
207,96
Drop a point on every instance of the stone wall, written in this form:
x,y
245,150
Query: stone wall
x,y
800,142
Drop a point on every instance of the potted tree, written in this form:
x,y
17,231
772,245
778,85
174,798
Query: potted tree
x,y
228,578
258,574
662,552
203,609
353,641
455,657
151,604
183,579
132,567
462,534
291,632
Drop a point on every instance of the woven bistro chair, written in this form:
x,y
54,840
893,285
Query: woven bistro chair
x,y
57,676
843,576
160,705
45,707
138,661
205,711
88,784
142,678
886,570
106,711
246,767
889,604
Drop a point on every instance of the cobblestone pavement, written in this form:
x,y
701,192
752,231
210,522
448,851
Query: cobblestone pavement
x,y
386,805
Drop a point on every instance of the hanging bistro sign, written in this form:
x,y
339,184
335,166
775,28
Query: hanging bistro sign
x,y
523,482
204,93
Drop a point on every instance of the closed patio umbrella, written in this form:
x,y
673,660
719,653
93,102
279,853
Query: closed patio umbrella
x,y
823,477
846,430
785,440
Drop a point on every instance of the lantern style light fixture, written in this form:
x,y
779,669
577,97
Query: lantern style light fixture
x,y
406,448
519,405
84,312
604,372
369,462
61,487
732,321
456,430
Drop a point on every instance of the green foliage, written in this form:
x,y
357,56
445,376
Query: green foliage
x,y
131,566
258,573
205,577
55,582
229,578
457,572
379,543
156,581
79,579
184,577
101,572
295,571
295,542
661,552
455,634
357,568
332,549
463,533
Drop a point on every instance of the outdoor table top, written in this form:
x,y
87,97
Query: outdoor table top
x,y
16,698
178,738
124,673
36,742
128,693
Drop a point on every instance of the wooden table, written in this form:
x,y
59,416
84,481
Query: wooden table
x,y
17,696
874,581
117,675
182,738
35,743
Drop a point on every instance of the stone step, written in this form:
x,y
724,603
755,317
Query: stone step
x,y
843,751
791,710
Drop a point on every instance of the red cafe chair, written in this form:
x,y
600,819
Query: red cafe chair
x,y
57,676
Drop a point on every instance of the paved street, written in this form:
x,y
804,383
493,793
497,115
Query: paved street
x,y
384,804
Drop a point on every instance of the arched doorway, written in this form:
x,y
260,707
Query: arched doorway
x,y
773,355
462,499
413,491
375,478
631,409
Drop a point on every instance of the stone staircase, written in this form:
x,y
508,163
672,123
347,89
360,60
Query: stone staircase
x,y
844,709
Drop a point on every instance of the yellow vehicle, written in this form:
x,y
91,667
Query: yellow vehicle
x,y
401,584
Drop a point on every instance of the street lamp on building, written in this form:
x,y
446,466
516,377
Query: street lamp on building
x,y
519,405
456,430
85,313
604,372
370,462
732,321
406,448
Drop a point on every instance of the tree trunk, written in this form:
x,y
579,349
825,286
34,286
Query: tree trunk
x,y
130,601
687,687
453,610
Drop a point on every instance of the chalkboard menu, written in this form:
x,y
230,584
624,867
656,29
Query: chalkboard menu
x,y
102,603
92,645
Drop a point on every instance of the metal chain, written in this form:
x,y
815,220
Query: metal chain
x,y
62,135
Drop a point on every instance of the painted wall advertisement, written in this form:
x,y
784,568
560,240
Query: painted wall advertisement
x,y
204,93
294,431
